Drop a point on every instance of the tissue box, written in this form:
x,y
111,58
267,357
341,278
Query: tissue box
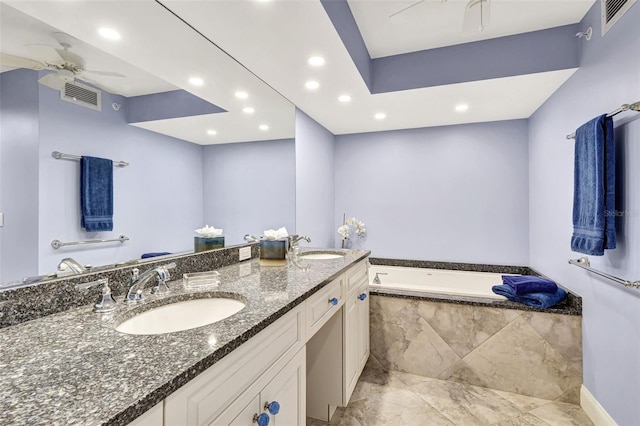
x,y
207,243
274,250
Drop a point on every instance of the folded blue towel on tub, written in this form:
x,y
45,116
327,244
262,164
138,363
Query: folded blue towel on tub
x,y
594,188
96,194
537,300
522,284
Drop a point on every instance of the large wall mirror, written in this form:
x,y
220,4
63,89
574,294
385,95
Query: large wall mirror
x,y
206,141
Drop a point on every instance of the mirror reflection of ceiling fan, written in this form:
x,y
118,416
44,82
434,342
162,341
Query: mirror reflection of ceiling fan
x,y
477,14
67,66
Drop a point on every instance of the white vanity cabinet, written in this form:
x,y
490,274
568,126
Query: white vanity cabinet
x,y
307,362
338,351
268,366
286,389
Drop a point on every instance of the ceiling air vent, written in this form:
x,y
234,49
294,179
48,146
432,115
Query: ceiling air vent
x,y
82,95
612,11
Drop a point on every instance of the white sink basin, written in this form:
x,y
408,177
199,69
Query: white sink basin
x,y
321,256
180,316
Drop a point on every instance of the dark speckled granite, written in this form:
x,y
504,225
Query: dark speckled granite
x,y
454,266
50,297
73,367
572,305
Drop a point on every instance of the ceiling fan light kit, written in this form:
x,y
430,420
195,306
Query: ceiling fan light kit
x,y
477,15
67,66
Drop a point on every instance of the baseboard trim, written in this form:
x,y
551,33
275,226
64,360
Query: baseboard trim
x,y
594,410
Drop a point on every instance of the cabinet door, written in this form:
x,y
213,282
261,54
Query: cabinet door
x,y
363,326
288,390
351,344
246,417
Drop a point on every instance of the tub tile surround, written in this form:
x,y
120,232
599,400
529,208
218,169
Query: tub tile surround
x,y
85,372
26,303
536,354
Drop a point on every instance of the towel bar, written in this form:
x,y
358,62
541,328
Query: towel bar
x,y
62,156
584,263
625,107
56,244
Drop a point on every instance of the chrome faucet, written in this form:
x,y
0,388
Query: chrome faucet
x,y
72,264
294,240
138,281
251,238
376,280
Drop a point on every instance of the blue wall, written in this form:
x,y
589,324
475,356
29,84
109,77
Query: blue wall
x,y
456,193
18,174
609,75
157,199
314,181
250,187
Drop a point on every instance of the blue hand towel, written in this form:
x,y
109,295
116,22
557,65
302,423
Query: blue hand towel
x,y
154,254
522,284
537,300
594,188
96,194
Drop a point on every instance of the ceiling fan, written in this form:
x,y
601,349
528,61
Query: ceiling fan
x,y
477,14
67,66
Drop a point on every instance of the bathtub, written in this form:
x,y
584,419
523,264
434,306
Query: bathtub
x,y
438,281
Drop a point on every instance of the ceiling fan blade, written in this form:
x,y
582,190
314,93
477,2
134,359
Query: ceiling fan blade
x,y
19,62
106,73
45,53
404,9
53,80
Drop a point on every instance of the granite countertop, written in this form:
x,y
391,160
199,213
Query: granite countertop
x,y
73,367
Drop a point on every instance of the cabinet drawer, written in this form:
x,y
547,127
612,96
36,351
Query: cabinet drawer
x,y
205,397
355,275
320,307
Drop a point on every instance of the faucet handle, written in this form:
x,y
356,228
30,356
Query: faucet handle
x,y
106,302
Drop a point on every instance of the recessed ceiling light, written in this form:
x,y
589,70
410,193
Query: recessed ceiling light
x,y
248,110
196,81
316,61
462,107
109,33
211,132
264,127
344,98
241,95
312,85
380,116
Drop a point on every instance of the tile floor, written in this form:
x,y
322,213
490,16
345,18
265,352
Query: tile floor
x,y
390,398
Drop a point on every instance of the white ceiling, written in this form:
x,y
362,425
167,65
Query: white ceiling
x,y
159,48
274,39
18,30
436,23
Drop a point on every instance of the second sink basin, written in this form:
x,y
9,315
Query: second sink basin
x,y
317,255
182,315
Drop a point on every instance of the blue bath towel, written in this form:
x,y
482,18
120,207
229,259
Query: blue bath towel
x,y
537,300
522,284
96,194
594,188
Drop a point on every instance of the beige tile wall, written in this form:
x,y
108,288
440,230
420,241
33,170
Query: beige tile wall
x,y
530,353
